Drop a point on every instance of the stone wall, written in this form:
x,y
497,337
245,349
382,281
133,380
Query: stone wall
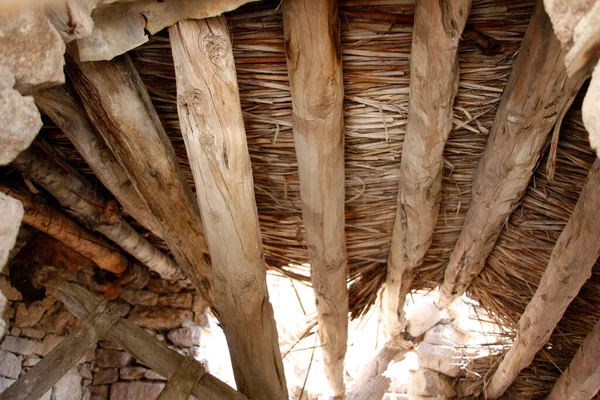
x,y
170,310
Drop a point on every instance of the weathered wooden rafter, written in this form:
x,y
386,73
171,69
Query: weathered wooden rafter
x,y
570,266
536,96
62,106
120,108
581,380
80,198
315,71
62,228
212,126
433,86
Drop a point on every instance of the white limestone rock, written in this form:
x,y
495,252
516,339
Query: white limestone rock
x,y
10,365
444,359
422,316
429,383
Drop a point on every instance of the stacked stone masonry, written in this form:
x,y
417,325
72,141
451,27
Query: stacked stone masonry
x,y
170,310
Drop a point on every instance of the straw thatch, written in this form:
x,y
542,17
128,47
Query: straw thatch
x,y
376,39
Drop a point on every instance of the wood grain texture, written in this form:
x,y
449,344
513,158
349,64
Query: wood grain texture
x,y
143,346
371,383
64,229
581,380
570,265
536,95
119,106
181,384
45,374
79,198
433,86
213,130
67,112
313,53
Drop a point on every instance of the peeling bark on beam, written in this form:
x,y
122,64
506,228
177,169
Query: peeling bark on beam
x,y
62,106
433,86
536,95
213,129
570,265
119,106
581,380
62,228
315,72
98,214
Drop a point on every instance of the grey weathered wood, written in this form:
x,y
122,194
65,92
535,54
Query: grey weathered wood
x,y
581,380
181,384
212,127
67,112
315,71
570,265
80,198
119,106
64,229
45,374
434,58
144,346
537,93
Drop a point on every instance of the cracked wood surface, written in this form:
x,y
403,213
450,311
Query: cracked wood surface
x,y
80,198
570,266
536,95
313,53
433,87
213,130
67,112
62,228
119,106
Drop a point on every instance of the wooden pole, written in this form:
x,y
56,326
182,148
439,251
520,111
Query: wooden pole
x,y
570,265
181,384
119,106
581,380
536,97
45,374
67,112
313,53
433,86
80,198
143,346
212,126
62,228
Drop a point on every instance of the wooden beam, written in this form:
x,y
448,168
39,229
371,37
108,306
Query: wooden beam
x,y
581,380
143,346
181,384
62,228
98,214
315,71
433,86
371,383
212,126
570,265
537,95
119,106
67,112
45,374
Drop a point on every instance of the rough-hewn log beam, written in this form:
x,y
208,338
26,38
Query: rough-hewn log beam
x,y
62,106
371,384
570,265
45,374
213,129
315,70
581,380
62,228
534,99
143,346
80,198
120,108
433,86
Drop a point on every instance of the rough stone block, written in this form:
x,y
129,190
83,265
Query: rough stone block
x,y
154,376
132,373
11,293
446,335
106,376
135,391
422,316
10,365
106,358
444,359
21,346
33,333
139,297
178,300
429,383
159,318
69,387
186,337
12,214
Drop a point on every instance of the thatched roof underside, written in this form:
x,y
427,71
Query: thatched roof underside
x,y
376,42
